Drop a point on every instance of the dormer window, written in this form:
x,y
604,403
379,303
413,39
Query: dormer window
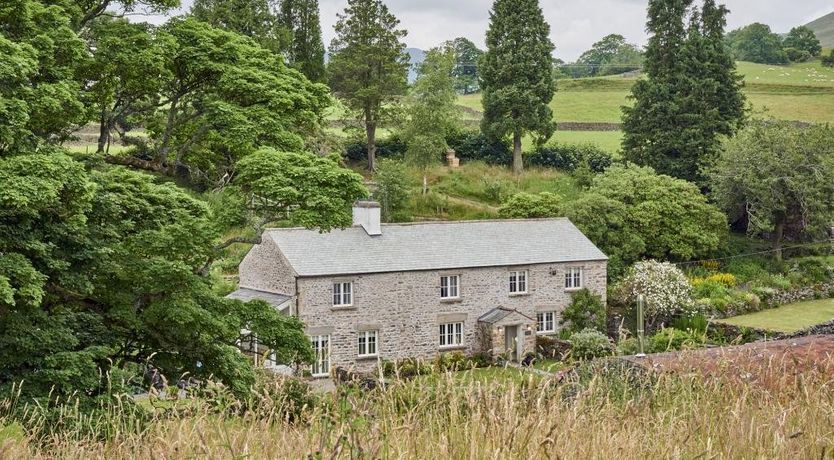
x,y
342,294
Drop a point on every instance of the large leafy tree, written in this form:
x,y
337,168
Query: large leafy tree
x,y
125,73
611,55
368,64
467,57
805,39
517,75
432,109
691,95
757,43
41,94
778,179
252,18
223,97
82,12
306,49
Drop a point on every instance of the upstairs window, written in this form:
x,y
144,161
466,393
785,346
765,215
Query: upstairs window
x,y
342,294
450,287
518,282
573,278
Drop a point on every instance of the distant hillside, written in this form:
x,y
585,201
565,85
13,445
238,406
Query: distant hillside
x,y
416,56
824,28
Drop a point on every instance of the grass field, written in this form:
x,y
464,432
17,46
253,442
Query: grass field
x,y
789,318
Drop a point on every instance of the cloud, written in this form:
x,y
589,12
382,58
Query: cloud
x,y
574,24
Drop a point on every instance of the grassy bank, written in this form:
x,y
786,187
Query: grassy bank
x,y
789,318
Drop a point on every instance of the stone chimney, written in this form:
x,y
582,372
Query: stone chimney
x,y
368,214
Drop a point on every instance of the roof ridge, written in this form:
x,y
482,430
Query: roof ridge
x,y
436,222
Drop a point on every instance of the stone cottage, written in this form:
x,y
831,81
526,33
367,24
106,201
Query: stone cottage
x,y
376,292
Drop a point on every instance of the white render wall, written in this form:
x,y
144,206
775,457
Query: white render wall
x,y
406,307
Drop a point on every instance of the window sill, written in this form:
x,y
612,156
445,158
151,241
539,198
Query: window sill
x,y
367,357
452,347
576,289
546,333
343,308
519,294
451,300
319,376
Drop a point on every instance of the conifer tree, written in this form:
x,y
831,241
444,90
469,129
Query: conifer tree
x,y
368,65
691,96
306,50
517,75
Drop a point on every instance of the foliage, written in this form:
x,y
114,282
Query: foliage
x,y
725,279
610,56
671,339
368,64
475,146
517,81
251,18
567,157
432,110
757,43
465,72
391,147
692,95
797,55
306,49
531,206
665,289
392,190
590,344
828,61
41,55
777,178
318,190
224,98
804,39
585,311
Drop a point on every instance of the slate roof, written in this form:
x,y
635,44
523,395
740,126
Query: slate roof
x,y
246,294
434,246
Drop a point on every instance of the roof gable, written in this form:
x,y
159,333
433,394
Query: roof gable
x,y
434,246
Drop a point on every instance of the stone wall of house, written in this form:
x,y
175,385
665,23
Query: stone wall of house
x,y
264,268
406,309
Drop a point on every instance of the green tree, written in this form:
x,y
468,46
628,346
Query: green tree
x,y
83,12
691,96
392,190
828,61
368,64
611,55
585,311
532,206
778,179
124,74
467,57
803,38
222,98
251,18
757,43
306,49
517,75
432,110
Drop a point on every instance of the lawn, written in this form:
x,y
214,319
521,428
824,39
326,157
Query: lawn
x,y
789,318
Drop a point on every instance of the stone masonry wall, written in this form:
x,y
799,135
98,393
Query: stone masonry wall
x,y
264,268
406,307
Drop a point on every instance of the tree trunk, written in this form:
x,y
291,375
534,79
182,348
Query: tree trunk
x,y
165,148
518,162
778,234
370,130
103,133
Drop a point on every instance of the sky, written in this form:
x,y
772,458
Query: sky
x,y
574,24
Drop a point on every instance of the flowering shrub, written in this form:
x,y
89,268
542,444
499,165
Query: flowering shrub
x,y
590,344
726,279
666,290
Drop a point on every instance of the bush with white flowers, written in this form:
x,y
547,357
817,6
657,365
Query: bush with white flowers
x,y
665,288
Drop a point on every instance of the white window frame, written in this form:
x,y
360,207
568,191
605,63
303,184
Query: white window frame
x,y
542,322
364,341
451,335
450,289
574,278
321,346
519,282
343,294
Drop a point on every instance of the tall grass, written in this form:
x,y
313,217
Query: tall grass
x,y
774,414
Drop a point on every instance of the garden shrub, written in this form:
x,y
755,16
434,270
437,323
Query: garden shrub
x,y
551,348
391,147
671,339
590,344
525,205
475,146
703,289
628,347
812,270
586,311
746,270
666,290
698,323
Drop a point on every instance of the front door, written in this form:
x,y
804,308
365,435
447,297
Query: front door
x,y
511,340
